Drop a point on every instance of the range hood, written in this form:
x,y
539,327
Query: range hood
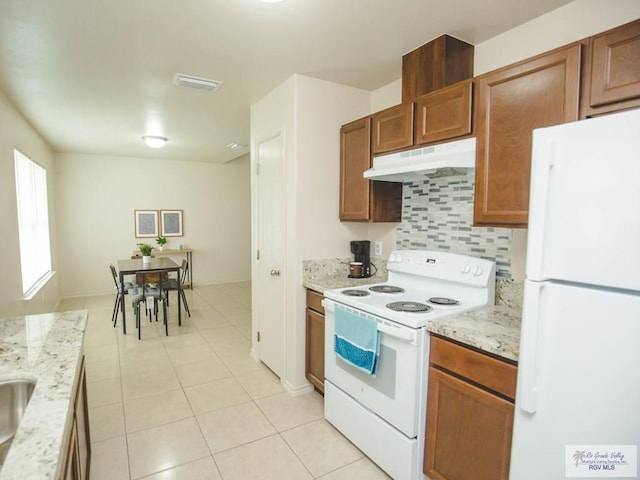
x,y
452,158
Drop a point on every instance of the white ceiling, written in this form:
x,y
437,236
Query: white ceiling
x,y
93,76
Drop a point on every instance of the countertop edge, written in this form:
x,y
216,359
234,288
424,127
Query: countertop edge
x,y
493,329
38,447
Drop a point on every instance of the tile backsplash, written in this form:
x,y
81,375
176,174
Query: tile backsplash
x,y
437,214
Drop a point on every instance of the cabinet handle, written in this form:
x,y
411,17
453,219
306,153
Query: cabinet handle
x,y
275,272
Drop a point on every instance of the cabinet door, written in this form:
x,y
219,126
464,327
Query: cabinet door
x,y
615,65
444,114
315,349
362,199
511,103
72,459
392,128
355,158
468,432
82,426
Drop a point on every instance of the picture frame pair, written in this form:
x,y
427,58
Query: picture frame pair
x,y
158,223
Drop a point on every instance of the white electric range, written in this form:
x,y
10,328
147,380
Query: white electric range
x,y
384,415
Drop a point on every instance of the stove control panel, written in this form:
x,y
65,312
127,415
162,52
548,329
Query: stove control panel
x,y
443,265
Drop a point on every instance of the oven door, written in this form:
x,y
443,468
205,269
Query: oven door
x,y
398,390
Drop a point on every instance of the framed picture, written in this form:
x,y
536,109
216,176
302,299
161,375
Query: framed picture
x,y
171,223
146,223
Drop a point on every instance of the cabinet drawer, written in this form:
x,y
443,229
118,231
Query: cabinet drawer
x,y
314,301
487,371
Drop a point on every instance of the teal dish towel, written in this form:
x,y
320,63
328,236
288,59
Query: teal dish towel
x,y
357,340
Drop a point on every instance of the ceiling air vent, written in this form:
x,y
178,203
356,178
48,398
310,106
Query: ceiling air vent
x,y
199,83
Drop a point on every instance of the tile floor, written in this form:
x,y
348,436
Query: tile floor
x,y
195,405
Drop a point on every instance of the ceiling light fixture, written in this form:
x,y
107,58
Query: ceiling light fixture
x,y
154,141
233,145
199,83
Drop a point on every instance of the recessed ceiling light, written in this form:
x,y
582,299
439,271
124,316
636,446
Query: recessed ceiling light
x,y
235,145
155,141
199,83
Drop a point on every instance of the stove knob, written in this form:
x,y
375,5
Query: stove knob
x,y
466,269
399,259
392,258
478,271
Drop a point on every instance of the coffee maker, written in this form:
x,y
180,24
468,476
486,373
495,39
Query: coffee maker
x,y
361,250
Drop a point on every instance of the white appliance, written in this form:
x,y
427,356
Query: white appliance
x,y
449,158
578,375
384,416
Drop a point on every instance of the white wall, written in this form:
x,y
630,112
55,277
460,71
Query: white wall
x,y
318,165
300,109
319,231
17,133
96,198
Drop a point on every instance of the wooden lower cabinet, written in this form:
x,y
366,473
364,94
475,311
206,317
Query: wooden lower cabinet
x,y
314,364
77,461
468,426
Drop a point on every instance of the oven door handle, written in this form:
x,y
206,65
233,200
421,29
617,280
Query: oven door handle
x,y
401,333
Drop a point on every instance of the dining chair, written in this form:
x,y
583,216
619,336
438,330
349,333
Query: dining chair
x,y
121,291
150,287
172,284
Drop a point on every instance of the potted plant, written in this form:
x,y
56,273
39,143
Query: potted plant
x,y
161,241
145,250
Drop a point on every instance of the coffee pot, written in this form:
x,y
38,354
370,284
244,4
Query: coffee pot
x,y
361,265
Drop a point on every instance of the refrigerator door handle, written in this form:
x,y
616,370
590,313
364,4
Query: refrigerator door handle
x,y
544,151
527,395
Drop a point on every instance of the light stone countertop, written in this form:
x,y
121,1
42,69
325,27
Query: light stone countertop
x,y
321,275
46,348
494,329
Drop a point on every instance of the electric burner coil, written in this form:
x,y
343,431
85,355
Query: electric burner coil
x,y
410,307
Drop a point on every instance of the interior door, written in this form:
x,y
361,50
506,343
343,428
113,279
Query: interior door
x,y
271,245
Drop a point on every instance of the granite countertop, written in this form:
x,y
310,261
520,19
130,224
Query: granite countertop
x,y
321,275
47,349
493,329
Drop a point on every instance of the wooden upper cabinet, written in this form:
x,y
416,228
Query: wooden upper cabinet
x,y
510,103
444,114
362,199
612,70
355,158
392,128
435,65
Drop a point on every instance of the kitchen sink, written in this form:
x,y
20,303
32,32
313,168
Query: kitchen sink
x,y
14,397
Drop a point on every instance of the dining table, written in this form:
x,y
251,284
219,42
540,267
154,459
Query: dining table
x,y
133,266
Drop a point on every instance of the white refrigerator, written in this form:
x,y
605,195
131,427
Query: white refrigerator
x,y
577,409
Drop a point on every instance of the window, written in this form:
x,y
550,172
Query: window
x,y
33,222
